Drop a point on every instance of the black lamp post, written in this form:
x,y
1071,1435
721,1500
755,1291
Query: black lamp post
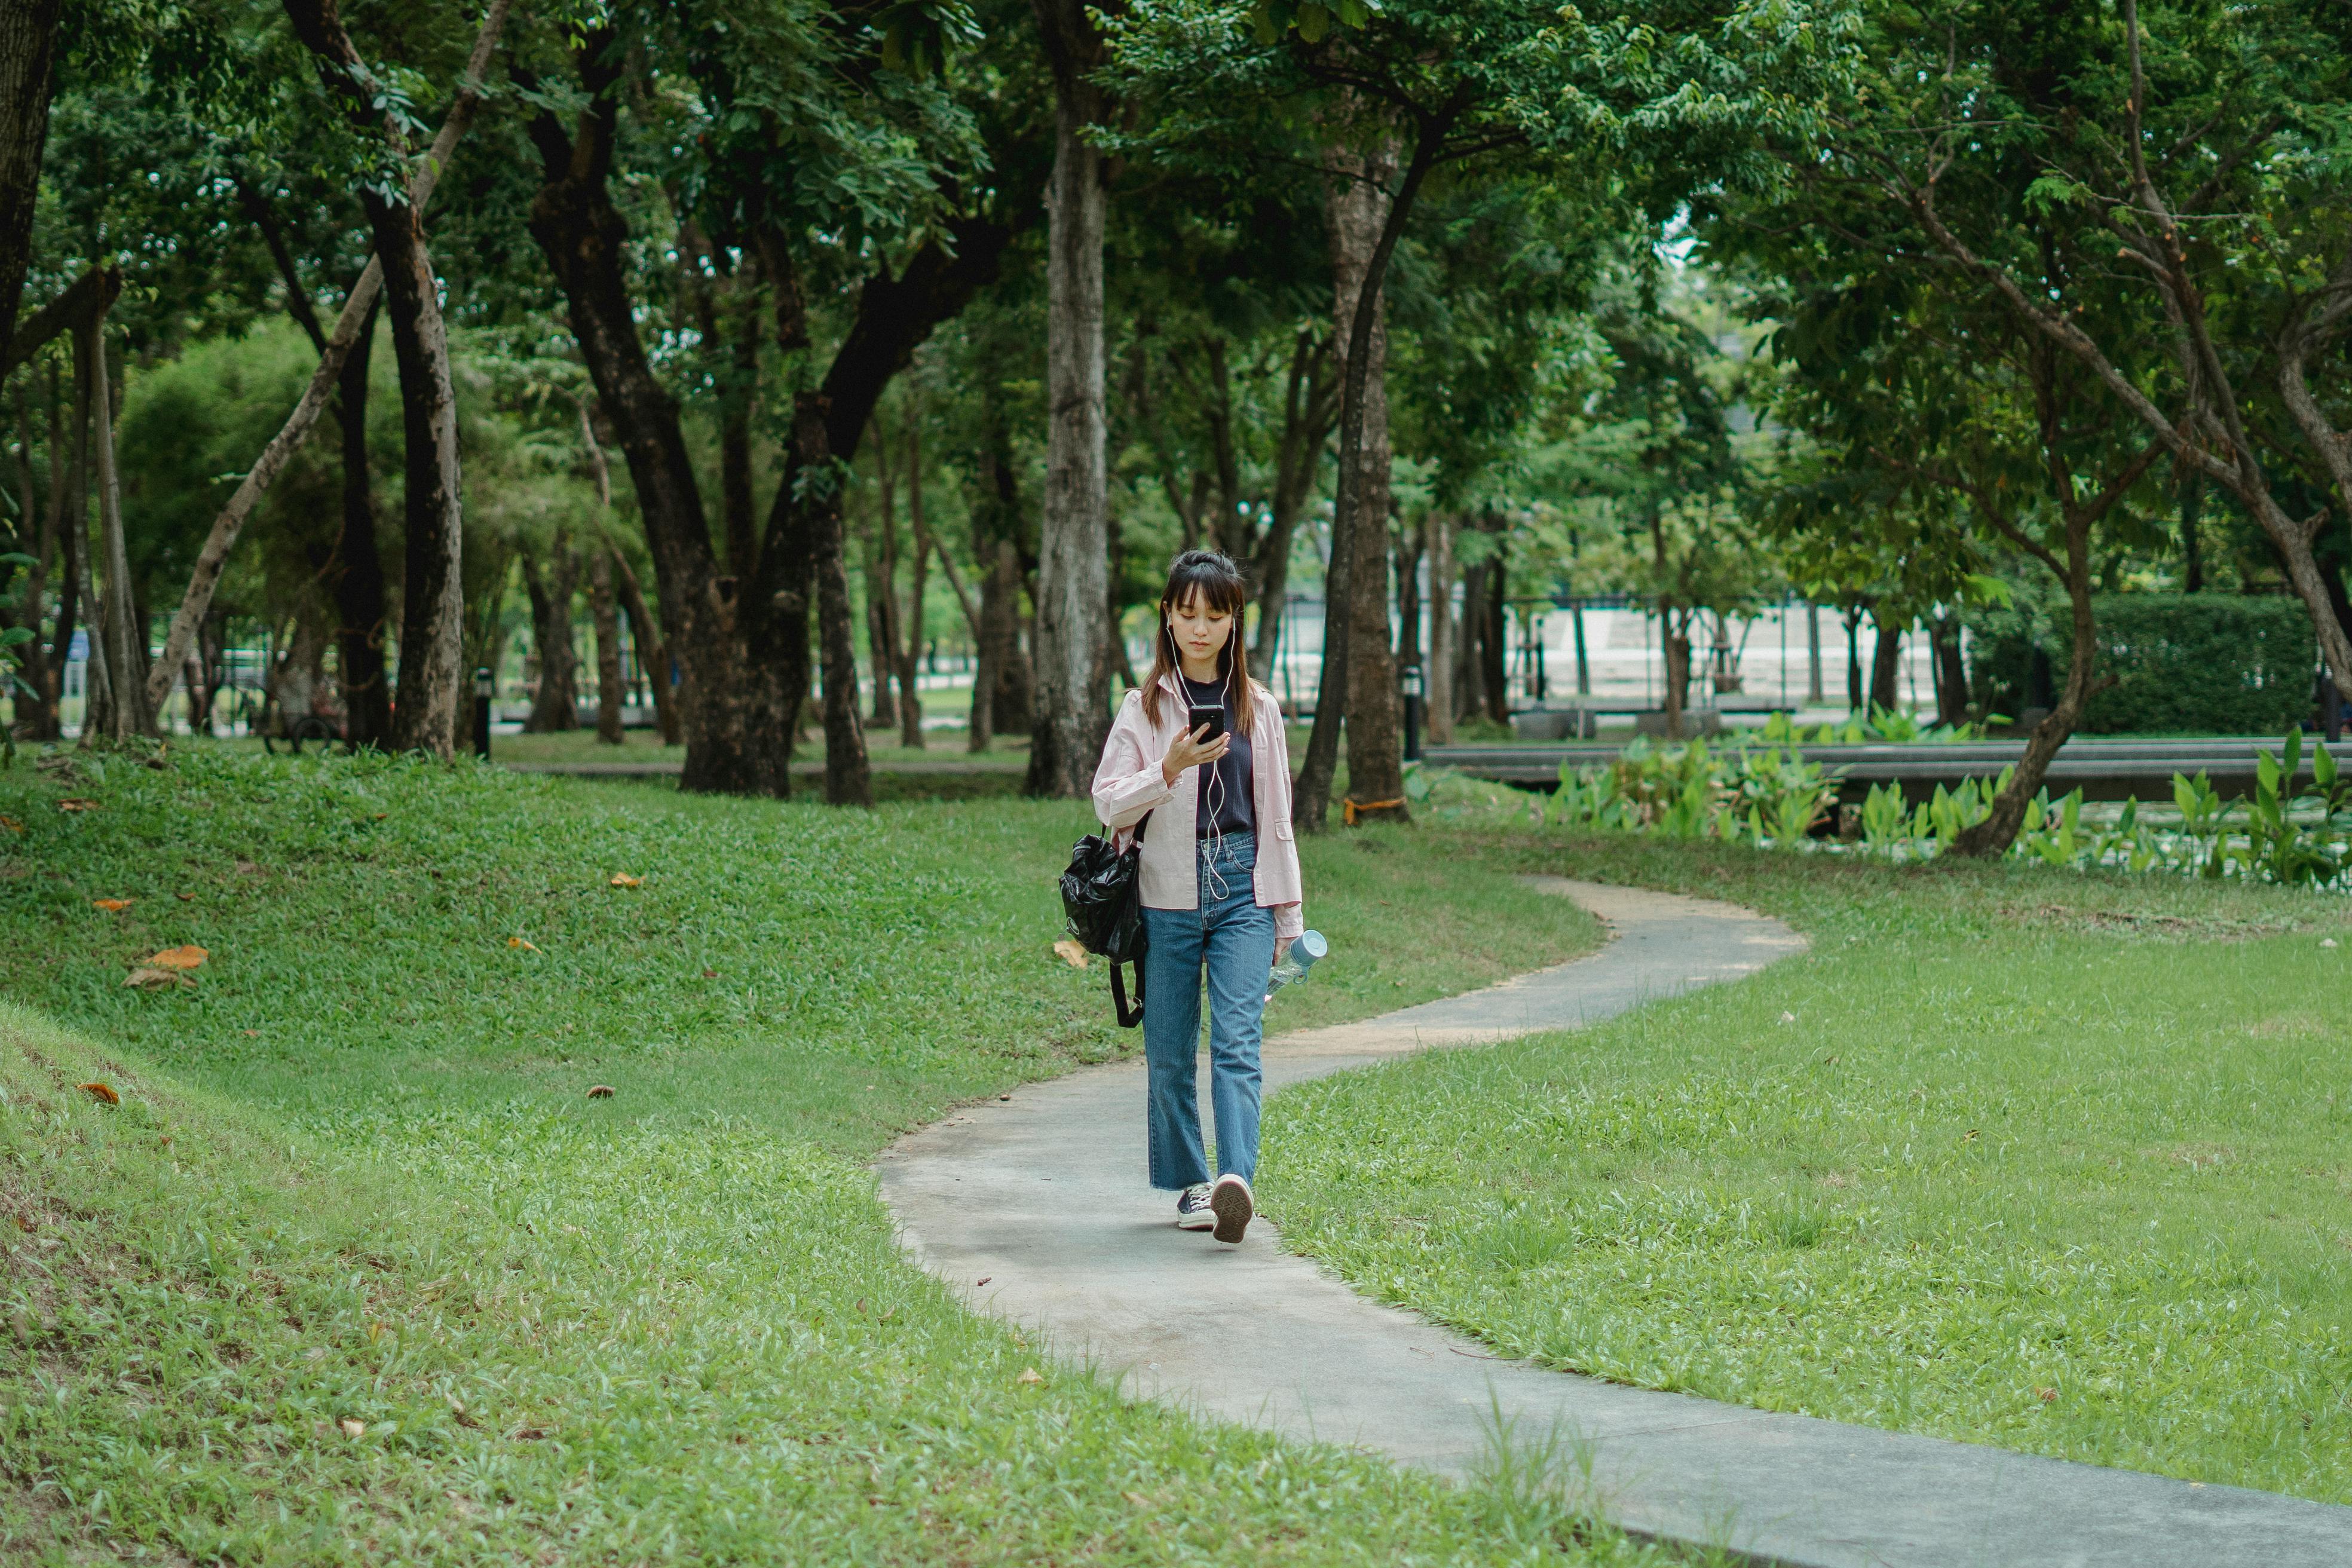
x,y
484,689
1408,678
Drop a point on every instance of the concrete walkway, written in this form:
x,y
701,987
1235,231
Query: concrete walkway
x,y
1036,1208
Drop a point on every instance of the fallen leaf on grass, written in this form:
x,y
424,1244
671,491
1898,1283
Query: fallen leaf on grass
x,y
353,1428
528,1433
146,977
377,1330
12,825
1029,1375
1138,1499
101,1091
248,868
2045,1394
111,906
599,1091
623,879
518,942
188,957
185,898
76,802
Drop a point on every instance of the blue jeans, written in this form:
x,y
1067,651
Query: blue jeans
x,y
1230,939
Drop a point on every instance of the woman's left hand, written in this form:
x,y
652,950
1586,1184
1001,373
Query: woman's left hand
x,y
1281,947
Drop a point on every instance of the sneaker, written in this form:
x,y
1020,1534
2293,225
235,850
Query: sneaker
x,y
1231,1202
1192,1210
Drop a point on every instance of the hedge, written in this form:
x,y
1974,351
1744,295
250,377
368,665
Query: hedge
x,y
2188,663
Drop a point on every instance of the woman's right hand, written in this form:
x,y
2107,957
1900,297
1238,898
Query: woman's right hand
x,y
1189,751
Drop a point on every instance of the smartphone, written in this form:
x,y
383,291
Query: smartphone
x,y
1212,714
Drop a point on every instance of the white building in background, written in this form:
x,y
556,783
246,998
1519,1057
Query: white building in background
x,y
1625,661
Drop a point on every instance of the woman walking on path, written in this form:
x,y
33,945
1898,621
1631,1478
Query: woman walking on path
x,y
1219,881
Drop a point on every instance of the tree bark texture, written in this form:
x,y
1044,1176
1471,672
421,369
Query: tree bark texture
x,y
550,578
1357,211
881,570
1313,798
1886,665
1951,670
27,73
910,647
129,711
432,624
1071,717
1674,644
604,614
356,577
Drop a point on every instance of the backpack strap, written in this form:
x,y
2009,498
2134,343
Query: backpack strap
x,y
1128,1017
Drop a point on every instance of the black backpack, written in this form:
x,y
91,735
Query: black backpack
x,y
1102,903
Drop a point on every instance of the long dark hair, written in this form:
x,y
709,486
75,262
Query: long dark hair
x,y
1216,582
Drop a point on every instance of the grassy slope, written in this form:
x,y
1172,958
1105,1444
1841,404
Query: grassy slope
x,y
2041,1160
671,1323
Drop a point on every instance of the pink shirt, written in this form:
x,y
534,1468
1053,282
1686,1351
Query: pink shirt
x,y
1129,783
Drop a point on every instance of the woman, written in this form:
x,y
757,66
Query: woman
x,y
1219,880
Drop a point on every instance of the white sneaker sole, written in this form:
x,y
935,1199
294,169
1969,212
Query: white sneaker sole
x,y
1231,1202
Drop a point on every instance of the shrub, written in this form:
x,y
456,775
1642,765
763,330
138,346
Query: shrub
x,y
2215,663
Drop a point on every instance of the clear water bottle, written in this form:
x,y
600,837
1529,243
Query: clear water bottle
x,y
1309,947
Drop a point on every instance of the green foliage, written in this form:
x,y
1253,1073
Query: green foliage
x,y
1766,795
2198,663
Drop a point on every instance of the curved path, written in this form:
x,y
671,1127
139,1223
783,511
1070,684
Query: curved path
x,y
1035,1208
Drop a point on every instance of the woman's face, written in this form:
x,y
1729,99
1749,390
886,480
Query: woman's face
x,y
1200,628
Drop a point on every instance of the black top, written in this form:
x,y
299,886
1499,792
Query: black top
x,y
1227,805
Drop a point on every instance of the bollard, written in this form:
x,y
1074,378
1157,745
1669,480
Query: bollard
x,y
484,689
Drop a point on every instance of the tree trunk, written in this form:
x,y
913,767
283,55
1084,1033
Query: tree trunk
x,y
74,605
1071,717
357,578
1439,680
1951,670
433,611
1813,655
551,581
1993,836
1886,665
129,711
27,59
881,564
1673,638
1495,627
1357,211
651,653
1852,618
432,606
2192,552
910,650
37,715
602,611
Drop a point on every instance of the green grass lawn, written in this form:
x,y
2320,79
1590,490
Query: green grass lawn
x,y
2014,1155
356,1273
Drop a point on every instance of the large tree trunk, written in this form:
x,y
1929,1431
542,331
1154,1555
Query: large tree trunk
x,y
1331,702
1675,638
433,603
1357,213
1886,665
36,717
551,581
1495,628
881,571
433,610
357,578
129,711
27,58
603,613
1438,681
1071,717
